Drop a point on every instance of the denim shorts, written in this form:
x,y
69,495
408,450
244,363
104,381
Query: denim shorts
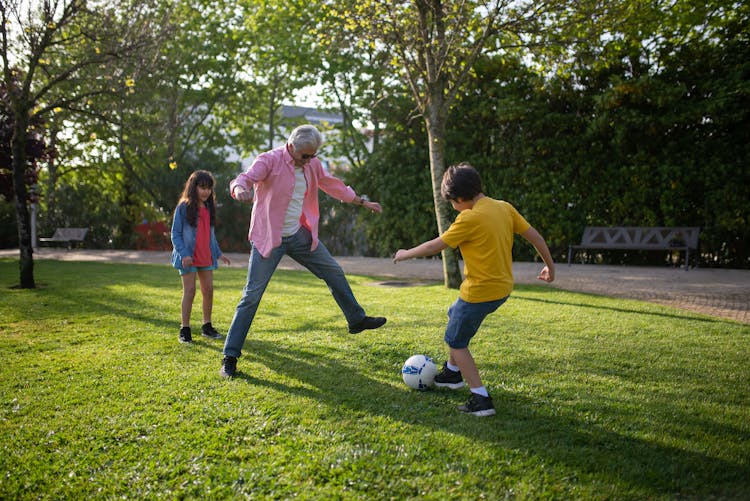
x,y
465,318
194,269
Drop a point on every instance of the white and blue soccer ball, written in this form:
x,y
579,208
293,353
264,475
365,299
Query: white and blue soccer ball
x,y
419,372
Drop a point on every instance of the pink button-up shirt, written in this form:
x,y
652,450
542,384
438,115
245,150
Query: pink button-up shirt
x,y
272,177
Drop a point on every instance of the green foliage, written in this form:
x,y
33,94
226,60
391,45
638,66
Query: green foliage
x,y
616,113
35,148
64,57
8,227
102,223
280,57
671,130
527,149
597,398
625,141
232,217
207,99
397,175
173,120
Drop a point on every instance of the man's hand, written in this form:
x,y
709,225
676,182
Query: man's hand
x,y
242,195
373,206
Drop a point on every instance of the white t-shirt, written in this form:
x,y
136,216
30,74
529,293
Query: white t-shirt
x,y
294,211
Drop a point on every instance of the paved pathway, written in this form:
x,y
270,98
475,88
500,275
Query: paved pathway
x,y
717,292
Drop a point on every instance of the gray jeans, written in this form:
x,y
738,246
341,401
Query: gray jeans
x,y
259,271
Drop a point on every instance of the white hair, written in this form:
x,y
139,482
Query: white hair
x,y
305,135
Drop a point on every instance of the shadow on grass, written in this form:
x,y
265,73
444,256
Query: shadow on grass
x,y
558,436
522,424
122,306
517,296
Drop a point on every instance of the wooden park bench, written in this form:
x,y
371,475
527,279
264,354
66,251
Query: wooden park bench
x,y
67,236
681,238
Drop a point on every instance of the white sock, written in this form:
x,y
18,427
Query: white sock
x,y
452,367
480,391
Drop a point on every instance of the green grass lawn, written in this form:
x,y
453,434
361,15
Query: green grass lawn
x,y
597,398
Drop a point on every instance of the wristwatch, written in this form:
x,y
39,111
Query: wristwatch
x,y
363,199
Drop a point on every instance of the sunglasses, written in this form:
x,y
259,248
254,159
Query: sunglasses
x,y
308,157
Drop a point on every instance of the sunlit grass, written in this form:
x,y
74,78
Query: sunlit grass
x,y
597,398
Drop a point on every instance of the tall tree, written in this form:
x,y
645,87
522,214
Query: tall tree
x,y
280,59
211,98
434,45
172,115
638,127
358,80
63,52
37,150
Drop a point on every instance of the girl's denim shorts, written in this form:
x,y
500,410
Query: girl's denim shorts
x,y
194,269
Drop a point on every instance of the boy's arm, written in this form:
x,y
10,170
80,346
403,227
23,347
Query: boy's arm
x,y
548,272
429,248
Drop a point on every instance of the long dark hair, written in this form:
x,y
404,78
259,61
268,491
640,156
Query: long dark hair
x,y
189,195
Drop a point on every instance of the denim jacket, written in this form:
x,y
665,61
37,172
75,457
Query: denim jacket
x,y
183,238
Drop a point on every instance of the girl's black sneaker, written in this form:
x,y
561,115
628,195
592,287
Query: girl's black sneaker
x,y
185,335
209,331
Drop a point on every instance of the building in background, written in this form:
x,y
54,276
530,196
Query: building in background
x,y
290,117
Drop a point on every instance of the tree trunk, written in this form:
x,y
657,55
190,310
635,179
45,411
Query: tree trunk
x,y
272,112
436,136
18,147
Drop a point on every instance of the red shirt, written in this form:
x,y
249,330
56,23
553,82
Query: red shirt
x,y
202,253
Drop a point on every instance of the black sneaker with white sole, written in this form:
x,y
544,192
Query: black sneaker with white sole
x,y
209,331
228,367
478,405
185,335
447,378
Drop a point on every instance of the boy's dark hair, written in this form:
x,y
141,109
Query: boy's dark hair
x,y
461,181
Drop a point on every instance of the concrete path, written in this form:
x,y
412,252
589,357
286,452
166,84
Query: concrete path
x,y
716,292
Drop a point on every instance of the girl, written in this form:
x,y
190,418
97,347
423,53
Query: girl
x,y
196,250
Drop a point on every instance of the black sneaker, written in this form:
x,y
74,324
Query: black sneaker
x,y
447,378
367,323
478,405
209,331
228,367
185,335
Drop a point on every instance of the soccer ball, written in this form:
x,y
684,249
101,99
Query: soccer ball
x,y
419,372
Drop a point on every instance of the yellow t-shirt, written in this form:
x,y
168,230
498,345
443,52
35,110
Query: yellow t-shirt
x,y
485,235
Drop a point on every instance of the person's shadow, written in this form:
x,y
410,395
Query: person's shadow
x,y
521,424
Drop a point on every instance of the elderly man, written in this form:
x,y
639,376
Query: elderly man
x,y
283,185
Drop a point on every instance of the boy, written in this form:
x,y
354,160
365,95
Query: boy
x,y
484,231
